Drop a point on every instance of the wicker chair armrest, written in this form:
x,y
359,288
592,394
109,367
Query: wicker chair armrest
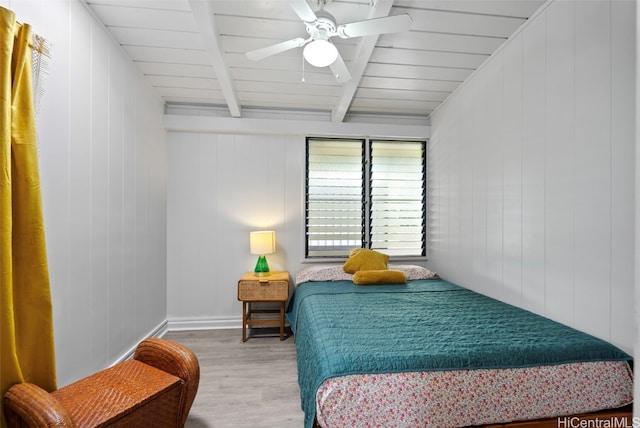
x,y
176,359
28,405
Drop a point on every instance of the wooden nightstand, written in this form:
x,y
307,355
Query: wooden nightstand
x,y
270,288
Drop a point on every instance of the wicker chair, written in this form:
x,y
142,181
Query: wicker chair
x,y
154,389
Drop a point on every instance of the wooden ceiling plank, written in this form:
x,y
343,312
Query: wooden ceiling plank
x,y
205,94
180,70
269,76
274,62
144,4
157,38
205,21
183,82
464,23
519,8
276,88
394,94
418,72
292,99
177,56
278,10
139,17
427,58
195,101
260,27
421,112
426,40
407,84
392,105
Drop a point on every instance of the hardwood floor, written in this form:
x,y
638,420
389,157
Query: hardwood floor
x,y
243,385
254,384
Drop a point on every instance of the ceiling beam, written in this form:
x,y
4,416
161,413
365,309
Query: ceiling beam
x,y
364,49
300,127
205,19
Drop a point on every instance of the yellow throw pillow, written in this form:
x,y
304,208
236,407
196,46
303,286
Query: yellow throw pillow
x,y
379,277
364,259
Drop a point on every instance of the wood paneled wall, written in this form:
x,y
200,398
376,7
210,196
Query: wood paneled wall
x,y
221,187
103,170
531,171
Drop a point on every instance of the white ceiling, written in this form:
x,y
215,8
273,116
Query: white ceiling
x,y
193,52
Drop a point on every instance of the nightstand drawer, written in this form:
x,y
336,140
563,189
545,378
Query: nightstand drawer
x,y
263,291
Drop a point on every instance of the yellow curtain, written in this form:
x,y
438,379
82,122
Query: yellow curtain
x,y
26,324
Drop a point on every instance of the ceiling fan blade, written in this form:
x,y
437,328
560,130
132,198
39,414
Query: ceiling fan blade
x,y
340,70
262,53
388,24
304,11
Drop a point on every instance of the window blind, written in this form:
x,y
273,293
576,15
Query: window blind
x,y
334,203
397,197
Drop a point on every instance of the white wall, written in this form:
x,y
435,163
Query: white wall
x,y
103,170
220,188
230,176
532,171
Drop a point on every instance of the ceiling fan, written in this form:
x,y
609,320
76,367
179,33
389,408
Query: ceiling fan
x,y
321,26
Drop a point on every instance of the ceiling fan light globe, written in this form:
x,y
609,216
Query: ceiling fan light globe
x,y
320,53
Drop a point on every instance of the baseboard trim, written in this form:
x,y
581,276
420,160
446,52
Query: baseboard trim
x,y
159,331
210,323
181,324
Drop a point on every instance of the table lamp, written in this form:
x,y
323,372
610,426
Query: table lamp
x,y
262,242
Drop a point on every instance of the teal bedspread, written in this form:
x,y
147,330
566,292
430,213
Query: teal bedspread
x,y
341,329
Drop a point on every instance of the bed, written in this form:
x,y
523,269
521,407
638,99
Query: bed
x,y
429,353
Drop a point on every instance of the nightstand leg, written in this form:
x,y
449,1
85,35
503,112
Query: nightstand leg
x,y
281,320
244,321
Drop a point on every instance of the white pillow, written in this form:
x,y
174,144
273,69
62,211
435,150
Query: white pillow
x,y
414,271
336,273
322,273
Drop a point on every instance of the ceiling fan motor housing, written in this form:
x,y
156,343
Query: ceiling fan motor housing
x,y
323,27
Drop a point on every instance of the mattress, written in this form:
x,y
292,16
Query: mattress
x,y
388,350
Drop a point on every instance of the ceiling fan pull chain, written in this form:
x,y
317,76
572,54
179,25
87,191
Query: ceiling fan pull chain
x,y
302,68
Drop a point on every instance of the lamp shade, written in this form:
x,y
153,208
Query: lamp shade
x,y
320,53
262,242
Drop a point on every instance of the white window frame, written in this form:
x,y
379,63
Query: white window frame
x,y
354,239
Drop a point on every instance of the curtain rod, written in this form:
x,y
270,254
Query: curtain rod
x,y
40,56
40,44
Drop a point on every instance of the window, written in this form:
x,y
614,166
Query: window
x,y
364,193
